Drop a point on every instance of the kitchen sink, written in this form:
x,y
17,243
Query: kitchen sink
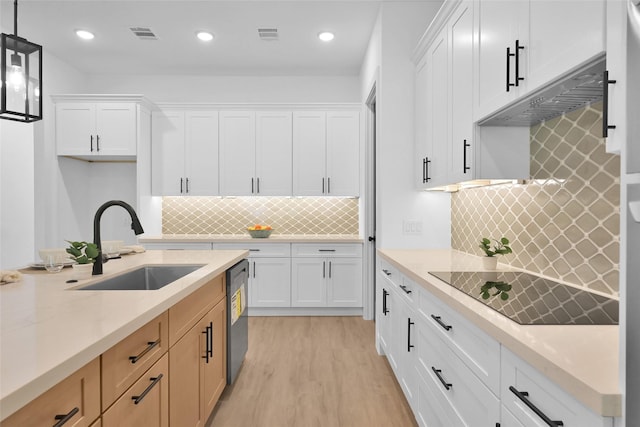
x,y
149,278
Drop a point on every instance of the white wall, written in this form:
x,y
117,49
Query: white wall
x,y
229,89
16,194
400,26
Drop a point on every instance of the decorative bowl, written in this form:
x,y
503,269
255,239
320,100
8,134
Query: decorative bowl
x,y
260,234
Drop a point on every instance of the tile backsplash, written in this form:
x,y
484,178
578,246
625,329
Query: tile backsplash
x,y
563,223
232,215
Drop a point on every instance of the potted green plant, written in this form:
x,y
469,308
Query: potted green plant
x,y
84,254
499,247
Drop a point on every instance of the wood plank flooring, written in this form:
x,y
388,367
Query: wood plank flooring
x,y
313,372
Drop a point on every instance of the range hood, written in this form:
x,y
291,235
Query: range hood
x,y
570,92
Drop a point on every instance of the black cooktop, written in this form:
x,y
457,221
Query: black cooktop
x,y
533,300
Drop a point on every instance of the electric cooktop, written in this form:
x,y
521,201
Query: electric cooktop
x,y
533,300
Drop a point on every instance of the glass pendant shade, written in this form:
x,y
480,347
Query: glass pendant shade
x,y
20,79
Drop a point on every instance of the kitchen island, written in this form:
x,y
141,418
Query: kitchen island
x,y
49,330
581,359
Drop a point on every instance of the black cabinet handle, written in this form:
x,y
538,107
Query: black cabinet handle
x,y
257,185
324,268
150,345
252,186
605,104
181,180
509,55
62,419
210,350
404,288
98,143
517,54
424,170
91,143
385,294
254,250
426,166
322,185
207,345
254,269
522,395
329,185
154,381
465,145
387,272
438,373
187,184
326,250
441,323
409,345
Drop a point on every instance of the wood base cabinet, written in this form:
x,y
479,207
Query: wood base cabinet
x,y
75,399
198,369
145,403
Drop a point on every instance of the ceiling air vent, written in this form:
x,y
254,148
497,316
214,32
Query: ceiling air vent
x,y
268,34
144,33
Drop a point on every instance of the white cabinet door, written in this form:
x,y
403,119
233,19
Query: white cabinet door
x,y
237,153
116,129
167,151
344,282
343,153
383,315
75,128
308,282
270,282
421,123
437,112
273,153
499,24
461,99
562,35
201,153
616,36
309,153
405,348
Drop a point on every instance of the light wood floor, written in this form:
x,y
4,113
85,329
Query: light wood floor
x,y
313,372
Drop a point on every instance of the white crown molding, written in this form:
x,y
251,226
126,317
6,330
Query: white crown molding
x,y
203,106
94,97
438,23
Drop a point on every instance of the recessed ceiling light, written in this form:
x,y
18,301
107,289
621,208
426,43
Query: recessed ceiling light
x,y
84,34
205,36
326,36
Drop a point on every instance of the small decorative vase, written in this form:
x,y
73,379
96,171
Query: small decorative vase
x,y
490,262
82,271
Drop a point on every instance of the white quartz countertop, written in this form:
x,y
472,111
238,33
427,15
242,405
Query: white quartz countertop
x,y
244,238
48,331
581,359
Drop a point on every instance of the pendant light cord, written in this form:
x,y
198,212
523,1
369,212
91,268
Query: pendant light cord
x,y
15,17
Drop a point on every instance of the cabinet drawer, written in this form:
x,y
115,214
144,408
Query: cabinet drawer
x,y
187,312
146,403
479,351
123,363
553,402
79,393
457,389
325,250
258,249
390,273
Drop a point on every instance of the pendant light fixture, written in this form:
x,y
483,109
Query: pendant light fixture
x,y
20,76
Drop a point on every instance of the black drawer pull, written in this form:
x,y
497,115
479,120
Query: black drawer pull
x,y
154,381
385,309
91,143
522,395
409,345
211,339
509,55
426,170
150,345
465,145
387,272
326,250
517,55
438,374
605,104
208,344
62,419
254,250
441,323
404,288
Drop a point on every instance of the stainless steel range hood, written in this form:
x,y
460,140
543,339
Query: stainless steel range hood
x,y
570,92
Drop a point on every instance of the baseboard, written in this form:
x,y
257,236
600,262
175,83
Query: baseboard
x,y
304,311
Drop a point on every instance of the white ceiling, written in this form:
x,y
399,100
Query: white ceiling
x,y
236,49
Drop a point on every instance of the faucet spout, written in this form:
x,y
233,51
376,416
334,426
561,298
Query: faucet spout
x,y
135,226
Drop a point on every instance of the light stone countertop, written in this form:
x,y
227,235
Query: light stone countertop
x,y
48,331
243,238
581,359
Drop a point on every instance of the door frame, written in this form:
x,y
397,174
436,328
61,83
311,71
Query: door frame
x,y
370,209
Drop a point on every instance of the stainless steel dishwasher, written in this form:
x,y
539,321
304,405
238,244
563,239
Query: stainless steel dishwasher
x,y
237,320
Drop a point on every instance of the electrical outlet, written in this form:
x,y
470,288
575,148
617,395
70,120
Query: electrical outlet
x,y
411,227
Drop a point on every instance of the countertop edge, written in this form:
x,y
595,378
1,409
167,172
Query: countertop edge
x,y
241,238
18,398
602,403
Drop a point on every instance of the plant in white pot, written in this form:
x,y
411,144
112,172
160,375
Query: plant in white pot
x,y
84,254
500,247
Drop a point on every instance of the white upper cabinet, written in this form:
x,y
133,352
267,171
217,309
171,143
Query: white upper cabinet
x,y
237,153
255,153
104,128
185,153
616,81
326,153
523,45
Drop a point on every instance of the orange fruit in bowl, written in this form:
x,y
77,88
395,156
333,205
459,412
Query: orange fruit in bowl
x,y
257,227
268,227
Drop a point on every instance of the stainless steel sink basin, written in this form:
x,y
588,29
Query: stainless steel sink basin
x,y
149,278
